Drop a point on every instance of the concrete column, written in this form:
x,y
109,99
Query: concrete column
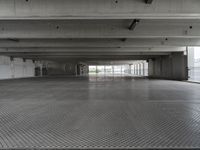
x,y
96,70
12,69
140,66
134,69
129,69
143,64
146,68
137,69
142,69
76,72
41,70
113,70
24,68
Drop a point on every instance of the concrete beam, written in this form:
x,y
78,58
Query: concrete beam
x,y
80,43
64,58
113,62
101,9
86,53
93,49
74,54
99,29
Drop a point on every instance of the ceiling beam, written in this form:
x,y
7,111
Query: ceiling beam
x,y
115,43
93,49
113,62
65,58
99,29
98,9
85,54
109,58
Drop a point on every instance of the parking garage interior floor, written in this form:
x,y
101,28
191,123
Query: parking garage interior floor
x,y
99,112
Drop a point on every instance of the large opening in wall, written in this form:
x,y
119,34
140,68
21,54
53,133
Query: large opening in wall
x,y
194,64
139,68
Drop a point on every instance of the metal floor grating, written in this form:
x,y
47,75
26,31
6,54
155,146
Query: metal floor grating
x,y
99,124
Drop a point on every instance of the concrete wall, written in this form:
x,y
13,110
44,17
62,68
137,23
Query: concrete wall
x,y
173,66
70,68
54,68
17,68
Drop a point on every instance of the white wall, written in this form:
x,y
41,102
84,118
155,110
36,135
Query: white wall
x,y
16,68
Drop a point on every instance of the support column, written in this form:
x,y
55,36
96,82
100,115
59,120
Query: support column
x,y
121,70
96,70
12,67
76,69
134,69
143,64
141,69
140,72
41,70
137,69
113,70
129,69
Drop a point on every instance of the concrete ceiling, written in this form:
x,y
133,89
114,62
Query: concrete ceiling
x,y
97,29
